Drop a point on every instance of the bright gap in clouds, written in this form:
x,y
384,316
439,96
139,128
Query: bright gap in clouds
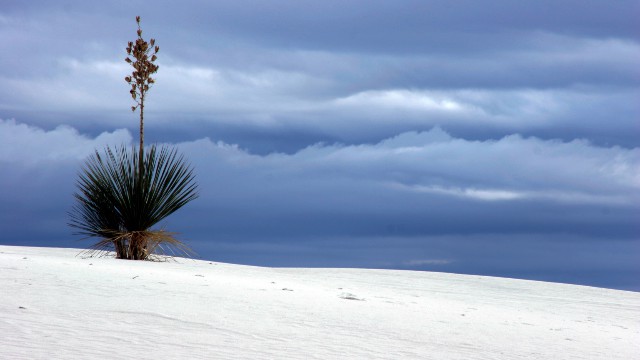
x,y
479,194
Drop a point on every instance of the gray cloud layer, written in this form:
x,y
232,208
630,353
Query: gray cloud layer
x,y
242,71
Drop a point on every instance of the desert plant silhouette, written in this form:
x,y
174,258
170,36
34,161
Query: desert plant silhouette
x,y
122,194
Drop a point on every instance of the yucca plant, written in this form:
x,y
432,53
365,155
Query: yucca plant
x,y
123,193
118,204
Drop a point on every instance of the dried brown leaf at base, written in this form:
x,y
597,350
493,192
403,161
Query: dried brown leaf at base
x,y
159,245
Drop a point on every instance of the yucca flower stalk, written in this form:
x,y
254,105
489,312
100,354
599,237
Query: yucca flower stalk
x,y
144,55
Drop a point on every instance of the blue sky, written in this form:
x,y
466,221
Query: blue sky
x,y
495,138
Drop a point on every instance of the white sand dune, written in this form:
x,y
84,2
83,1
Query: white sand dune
x,y
54,304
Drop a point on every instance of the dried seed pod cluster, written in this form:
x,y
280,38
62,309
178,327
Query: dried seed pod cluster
x,y
142,55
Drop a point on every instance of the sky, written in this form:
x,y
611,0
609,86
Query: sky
x,y
493,138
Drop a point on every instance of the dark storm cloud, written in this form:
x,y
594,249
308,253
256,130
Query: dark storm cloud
x,y
408,26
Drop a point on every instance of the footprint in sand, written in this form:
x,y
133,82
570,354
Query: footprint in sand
x,y
349,296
